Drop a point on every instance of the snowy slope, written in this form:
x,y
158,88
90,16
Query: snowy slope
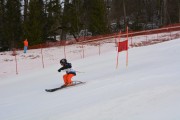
x,y
147,90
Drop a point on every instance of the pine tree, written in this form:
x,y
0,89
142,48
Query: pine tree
x,y
25,9
96,13
54,17
35,23
13,28
2,15
75,13
65,20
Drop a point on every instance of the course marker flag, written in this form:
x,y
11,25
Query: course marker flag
x,y
123,46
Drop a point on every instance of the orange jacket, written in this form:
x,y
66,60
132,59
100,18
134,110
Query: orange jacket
x,y
25,43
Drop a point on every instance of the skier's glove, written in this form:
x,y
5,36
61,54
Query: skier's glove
x,y
59,70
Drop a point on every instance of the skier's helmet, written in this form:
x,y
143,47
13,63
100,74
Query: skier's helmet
x,y
63,61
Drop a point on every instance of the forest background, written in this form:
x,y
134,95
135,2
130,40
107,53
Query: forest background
x,y
42,20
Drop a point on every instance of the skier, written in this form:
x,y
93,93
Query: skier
x,y
69,72
67,77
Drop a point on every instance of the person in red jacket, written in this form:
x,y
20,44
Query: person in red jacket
x,y
69,72
25,45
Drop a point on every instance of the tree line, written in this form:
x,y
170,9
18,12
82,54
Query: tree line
x,y
37,20
156,12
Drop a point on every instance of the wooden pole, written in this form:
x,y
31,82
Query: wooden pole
x,y
16,65
42,57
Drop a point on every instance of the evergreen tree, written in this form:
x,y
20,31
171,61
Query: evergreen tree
x,y
2,14
72,18
54,17
13,28
96,13
25,8
35,23
173,11
75,13
65,20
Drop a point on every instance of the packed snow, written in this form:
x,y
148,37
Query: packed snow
x,y
147,89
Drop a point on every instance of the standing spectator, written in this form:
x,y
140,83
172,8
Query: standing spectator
x,y
25,45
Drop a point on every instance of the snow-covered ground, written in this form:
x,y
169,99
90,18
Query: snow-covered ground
x,y
148,89
32,60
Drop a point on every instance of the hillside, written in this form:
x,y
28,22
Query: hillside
x,y
148,89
